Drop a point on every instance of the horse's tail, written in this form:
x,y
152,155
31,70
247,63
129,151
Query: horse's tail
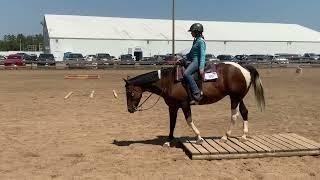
x,y
257,86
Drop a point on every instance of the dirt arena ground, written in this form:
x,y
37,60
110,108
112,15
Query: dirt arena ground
x,y
43,136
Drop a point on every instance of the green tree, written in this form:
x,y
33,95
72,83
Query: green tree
x,y
11,42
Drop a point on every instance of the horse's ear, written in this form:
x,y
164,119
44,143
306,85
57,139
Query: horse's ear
x,y
128,77
126,81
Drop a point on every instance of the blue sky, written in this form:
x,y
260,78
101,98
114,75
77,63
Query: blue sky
x,y
24,16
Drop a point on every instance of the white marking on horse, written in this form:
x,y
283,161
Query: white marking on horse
x,y
234,116
245,72
159,74
245,127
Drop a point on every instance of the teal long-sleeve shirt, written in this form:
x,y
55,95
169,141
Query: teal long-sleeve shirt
x,y
198,52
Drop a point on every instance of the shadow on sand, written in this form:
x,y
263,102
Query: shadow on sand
x,y
158,141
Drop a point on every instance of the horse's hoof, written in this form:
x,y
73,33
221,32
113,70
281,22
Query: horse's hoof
x,y
192,102
243,139
166,144
224,139
199,141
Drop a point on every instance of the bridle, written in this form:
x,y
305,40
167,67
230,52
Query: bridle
x,y
139,107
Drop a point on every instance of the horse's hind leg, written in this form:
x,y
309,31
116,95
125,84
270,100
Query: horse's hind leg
x,y
244,114
187,114
234,116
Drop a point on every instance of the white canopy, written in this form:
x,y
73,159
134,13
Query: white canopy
x,y
90,27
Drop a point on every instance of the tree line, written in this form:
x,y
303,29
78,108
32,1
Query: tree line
x,y
21,42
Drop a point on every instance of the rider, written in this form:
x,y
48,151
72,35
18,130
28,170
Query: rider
x,y
197,58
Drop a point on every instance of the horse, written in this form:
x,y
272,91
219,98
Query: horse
x,y
233,80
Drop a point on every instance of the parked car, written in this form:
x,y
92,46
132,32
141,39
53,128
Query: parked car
x,y
65,55
242,57
127,59
75,60
311,56
211,58
46,60
277,59
259,58
103,56
292,58
225,57
33,57
170,60
2,58
103,59
90,57
28,59
154,60
15,60
147,61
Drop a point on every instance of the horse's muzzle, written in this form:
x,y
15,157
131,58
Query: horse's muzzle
x,y
131,110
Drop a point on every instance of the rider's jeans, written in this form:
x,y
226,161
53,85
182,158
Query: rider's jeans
x,y
191,69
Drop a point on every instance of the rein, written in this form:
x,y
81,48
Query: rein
x,y
139,107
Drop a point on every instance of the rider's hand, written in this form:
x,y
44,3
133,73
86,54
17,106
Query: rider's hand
x,y
179,61
201,73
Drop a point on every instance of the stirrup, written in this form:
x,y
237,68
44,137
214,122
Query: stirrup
x,y
196,100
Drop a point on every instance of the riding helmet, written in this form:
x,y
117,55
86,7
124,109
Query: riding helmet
x,y
196,27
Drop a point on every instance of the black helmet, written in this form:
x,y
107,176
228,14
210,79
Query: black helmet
x,y
196,27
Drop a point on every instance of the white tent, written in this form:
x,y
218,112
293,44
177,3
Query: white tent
x,y
91,35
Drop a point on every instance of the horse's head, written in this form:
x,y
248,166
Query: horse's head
x,y
134,94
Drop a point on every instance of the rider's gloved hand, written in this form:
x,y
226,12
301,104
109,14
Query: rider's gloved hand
x,y
201,73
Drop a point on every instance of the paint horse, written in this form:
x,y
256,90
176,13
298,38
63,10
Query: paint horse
x,y
233,80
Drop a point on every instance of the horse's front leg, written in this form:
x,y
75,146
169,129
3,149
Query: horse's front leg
x,y
173,111
187,114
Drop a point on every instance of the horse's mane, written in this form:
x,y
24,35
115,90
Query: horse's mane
x,y
151,77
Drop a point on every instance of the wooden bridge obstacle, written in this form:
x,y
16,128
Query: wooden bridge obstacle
x,y
276,145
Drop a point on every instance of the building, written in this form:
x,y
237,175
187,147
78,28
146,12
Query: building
x,y
116,36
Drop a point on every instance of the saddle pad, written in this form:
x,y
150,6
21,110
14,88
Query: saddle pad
x,y
208,76
210,72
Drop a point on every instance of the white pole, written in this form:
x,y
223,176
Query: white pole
x,y
173,28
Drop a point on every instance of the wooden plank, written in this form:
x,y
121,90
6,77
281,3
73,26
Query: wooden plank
x,y
305,140
253,146
68,95
189,147
82,76
270,145
256,155
289,146
212,150
260,145
242,145
201,149
309,146
216,146
282,147
298,146
225,146
236,147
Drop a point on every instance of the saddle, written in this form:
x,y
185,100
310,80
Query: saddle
x,y
210,73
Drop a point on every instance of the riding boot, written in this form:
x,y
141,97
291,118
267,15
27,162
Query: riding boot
x,y
196,98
